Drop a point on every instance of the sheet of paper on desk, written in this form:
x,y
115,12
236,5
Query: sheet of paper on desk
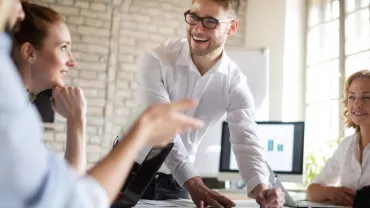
x,y
246,203
142,204
314,204
156,203
239,203
183,203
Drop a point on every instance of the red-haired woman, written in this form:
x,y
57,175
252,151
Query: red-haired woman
x,y
42,53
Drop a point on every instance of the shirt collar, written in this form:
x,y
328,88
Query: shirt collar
x,y
5,42
184,59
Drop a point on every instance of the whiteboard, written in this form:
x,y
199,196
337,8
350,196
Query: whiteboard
x,y
254,64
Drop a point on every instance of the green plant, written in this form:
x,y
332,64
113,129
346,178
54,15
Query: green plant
x,y
315,159
313,166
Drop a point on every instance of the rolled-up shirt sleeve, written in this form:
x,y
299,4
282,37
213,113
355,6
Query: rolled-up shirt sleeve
x,y
243,138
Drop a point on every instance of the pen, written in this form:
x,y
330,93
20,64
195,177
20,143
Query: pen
x,y
272,187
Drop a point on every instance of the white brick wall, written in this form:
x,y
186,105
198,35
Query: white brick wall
x,y
108,36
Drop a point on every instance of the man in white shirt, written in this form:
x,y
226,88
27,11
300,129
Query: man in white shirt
x,y
31,176
199,68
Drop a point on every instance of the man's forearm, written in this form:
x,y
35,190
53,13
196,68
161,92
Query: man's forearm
x,y
179,162
193,183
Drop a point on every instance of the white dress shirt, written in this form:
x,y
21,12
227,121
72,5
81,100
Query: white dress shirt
x,y
344,166
30,175
168,73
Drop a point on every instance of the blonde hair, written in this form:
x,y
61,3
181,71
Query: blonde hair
x,y
356,75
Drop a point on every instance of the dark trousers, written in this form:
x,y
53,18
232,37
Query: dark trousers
x,y
165,187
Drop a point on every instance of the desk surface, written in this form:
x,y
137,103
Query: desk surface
x,y
189,203
238,196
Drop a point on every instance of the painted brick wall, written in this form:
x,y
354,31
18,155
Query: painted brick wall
x,y
108,36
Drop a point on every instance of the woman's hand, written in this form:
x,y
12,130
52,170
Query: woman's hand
x,y
69,102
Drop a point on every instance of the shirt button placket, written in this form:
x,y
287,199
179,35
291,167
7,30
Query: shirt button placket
x,y
197,91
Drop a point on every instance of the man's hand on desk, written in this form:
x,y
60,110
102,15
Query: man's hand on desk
x,y
269,199
203,196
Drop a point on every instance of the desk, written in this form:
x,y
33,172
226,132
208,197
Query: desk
x,y
242,194
239,197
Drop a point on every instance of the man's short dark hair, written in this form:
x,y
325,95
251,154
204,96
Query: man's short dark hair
x,y
232,5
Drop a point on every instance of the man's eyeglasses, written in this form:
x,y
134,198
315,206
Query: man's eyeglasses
x,y
207,22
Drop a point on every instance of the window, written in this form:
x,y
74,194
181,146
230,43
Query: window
x,y
357,33
328,20
322,72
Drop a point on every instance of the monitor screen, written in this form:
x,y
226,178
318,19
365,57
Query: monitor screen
x,y
282,143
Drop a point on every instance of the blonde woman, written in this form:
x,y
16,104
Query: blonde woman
x,y
350,164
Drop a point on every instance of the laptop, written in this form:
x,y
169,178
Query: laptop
x,y
290,202
140,177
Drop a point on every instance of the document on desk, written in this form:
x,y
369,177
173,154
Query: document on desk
x,y
316,204
141,204
239,203
246,203
155,203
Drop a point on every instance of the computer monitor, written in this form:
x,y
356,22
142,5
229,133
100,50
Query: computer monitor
x,y
283,150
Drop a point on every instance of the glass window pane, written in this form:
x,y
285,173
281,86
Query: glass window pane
x,y
314,12
323,43
365,3
313,45
326,11
330,10
322,82
335,9
350,5
313,17
357,31
321,11
357,62
322,122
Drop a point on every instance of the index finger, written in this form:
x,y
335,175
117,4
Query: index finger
x,y
349,191
272,197
226,202
201,204
214,203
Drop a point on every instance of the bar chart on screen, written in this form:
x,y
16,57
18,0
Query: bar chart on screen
x,y
277,142
278,146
